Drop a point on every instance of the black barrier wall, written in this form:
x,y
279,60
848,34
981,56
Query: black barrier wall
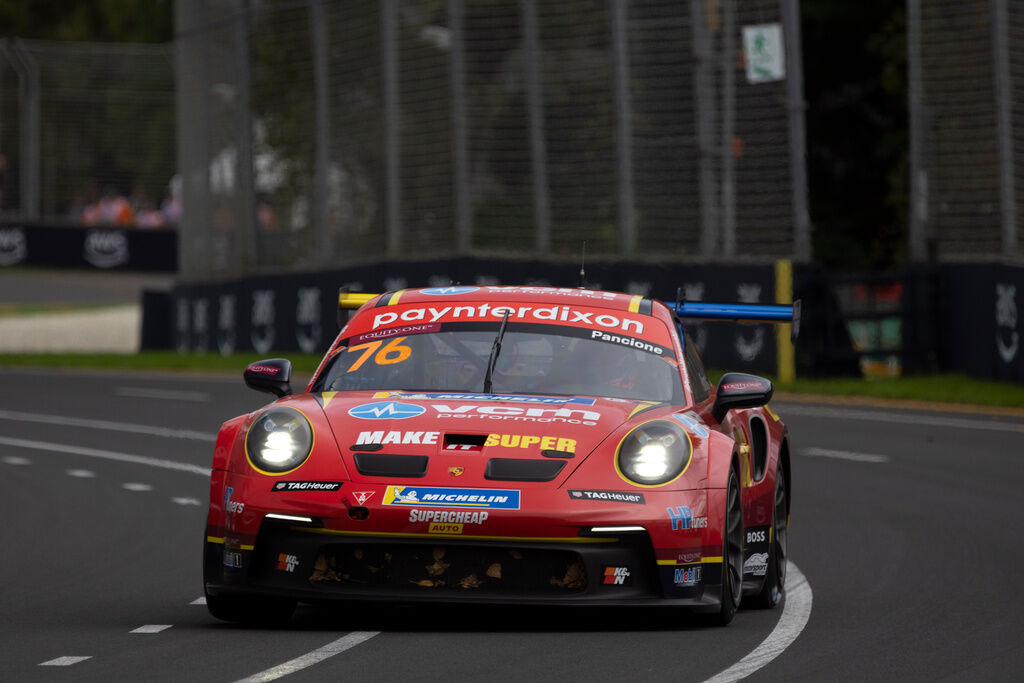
x,y
106,248
955,317
284,313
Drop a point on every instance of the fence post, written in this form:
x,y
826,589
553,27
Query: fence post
x,y
703,97
915,104
28,124
728,188
322,132
1004,126
797,133
389,64
246,248
535,116
460,144
624,127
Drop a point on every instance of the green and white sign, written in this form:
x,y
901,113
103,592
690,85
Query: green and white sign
x,y
765,53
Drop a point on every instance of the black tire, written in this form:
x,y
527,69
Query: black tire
x,y
253,611
774,588
732,555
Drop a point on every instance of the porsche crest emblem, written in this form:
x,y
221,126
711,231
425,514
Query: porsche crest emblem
x,y
456,470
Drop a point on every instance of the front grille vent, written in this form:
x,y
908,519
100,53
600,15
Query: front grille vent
x,y
391,465
518,469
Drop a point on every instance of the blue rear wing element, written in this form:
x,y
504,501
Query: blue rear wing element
x,y
746,313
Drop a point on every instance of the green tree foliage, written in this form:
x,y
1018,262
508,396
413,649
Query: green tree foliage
x,y
134,21
855,84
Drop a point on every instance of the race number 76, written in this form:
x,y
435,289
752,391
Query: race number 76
x,y
388,354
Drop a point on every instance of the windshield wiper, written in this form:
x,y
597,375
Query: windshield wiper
x,y
495,350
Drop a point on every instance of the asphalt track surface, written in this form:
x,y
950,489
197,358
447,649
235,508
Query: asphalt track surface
x,y
907,525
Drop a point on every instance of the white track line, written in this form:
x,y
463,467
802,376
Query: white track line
x,y
151,628
168,394
15,460
108,455
81,474
134,486
65,661
795,613
106,424
843,455
199,601
309,659
185,501
901,418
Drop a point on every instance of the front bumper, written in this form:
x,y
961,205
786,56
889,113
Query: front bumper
x,y
313,564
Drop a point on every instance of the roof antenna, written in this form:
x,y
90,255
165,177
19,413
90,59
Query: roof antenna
x,y
583,259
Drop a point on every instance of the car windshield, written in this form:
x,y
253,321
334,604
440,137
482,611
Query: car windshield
x,y
534,359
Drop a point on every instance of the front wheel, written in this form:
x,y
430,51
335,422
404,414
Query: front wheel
x,y
732,555
775,581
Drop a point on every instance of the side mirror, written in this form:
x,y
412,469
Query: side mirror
x,y
272,375
740,390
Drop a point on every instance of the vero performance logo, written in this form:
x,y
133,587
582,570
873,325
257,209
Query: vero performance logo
x,y
391,410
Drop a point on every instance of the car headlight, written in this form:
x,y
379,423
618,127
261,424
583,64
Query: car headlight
x,y
279,440
654,453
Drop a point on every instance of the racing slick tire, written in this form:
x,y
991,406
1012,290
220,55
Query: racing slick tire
x,y
732,555
774,587
254,611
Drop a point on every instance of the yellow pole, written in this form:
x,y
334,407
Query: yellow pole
x,y
786,354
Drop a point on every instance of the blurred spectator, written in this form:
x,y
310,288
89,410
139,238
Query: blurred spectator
x,y
148,216
171,206
111,209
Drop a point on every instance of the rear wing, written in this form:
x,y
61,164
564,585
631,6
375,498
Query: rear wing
x,y
744,313
350,300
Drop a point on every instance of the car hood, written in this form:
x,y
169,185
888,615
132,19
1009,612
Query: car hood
x,y
479,440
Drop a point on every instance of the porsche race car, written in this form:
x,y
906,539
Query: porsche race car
x,y
505,445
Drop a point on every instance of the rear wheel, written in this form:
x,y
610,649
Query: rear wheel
x,y
732,554
775,580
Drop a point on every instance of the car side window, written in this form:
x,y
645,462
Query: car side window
x,y
699,383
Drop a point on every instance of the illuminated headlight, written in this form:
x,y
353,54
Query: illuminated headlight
x,y
279,440
654,453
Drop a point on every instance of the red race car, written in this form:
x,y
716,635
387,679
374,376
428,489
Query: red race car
x,y
504,444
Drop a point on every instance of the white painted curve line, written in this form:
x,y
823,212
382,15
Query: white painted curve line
x,y
15,460
309,659
843,455
795,613
135,486
901,418
81,474
109,425
167,394
151,628
65,661
108,455
186,501
199,601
